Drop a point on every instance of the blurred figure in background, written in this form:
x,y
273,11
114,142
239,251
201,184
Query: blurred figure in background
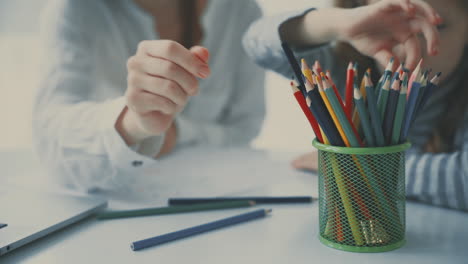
x,y
125,82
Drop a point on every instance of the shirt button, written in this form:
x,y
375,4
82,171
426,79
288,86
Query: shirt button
x,y
137,163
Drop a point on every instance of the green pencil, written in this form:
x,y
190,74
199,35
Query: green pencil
x,y
376,121
364,117
348,130
174,209
383,99
400,111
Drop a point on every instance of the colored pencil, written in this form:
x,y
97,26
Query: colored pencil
x,y
306,71
373,112
433,84
422,91
412,100
319,110
294,65
347,203
387,74
414,76
330,94
390,111
400,111
349,89
337,93
383,100
305,109
174,209
158,240
317,67
256,199
364,117
355,131
329,108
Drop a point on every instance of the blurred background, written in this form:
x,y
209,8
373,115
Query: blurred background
x,y
285,127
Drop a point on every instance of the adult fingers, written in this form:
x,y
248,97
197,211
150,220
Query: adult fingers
x,y
201,52
175,52
167,70
159,86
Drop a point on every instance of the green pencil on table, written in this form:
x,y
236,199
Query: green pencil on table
x,y
174,209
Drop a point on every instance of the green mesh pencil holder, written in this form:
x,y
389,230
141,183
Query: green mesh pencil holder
x,y
362,197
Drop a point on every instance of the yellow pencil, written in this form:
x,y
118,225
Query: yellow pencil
x,y
306,71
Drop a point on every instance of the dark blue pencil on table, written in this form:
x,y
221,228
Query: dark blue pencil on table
x,y
158,240
376,121
256,199
390,111
319,110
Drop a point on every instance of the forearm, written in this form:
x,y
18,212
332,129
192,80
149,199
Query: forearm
x,y
314,28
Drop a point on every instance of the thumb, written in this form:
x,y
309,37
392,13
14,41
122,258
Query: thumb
x,y
202,53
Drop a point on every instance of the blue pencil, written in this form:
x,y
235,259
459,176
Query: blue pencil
x,y
319,110
431,86
390,111
158,240
374,112
410,109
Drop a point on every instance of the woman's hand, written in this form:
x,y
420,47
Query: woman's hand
x,y
308,161
391,28
162,76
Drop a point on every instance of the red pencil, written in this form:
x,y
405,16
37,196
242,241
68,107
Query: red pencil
x,y
302,103
349,91
335,89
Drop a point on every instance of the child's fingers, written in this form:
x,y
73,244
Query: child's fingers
x,y
431,34
383,56
426,10
413,52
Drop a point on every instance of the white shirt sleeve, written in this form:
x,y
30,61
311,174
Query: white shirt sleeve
x,y
75,135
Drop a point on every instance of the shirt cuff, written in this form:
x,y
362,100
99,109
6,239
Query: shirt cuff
x,y
120,155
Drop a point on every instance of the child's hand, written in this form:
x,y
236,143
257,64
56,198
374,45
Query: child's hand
x,y
161,77
391,27
307,161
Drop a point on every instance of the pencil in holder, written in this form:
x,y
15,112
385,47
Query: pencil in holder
x,y
362,197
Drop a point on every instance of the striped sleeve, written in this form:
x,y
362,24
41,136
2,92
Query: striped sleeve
x,y
439,179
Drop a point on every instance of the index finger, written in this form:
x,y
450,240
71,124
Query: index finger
x,y
175,52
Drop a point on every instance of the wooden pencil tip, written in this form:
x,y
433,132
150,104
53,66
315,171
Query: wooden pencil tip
x,y
357,94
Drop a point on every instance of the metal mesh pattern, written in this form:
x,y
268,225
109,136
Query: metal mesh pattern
x,y
362,200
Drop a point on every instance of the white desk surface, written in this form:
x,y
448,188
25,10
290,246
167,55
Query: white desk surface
x,y
289,235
